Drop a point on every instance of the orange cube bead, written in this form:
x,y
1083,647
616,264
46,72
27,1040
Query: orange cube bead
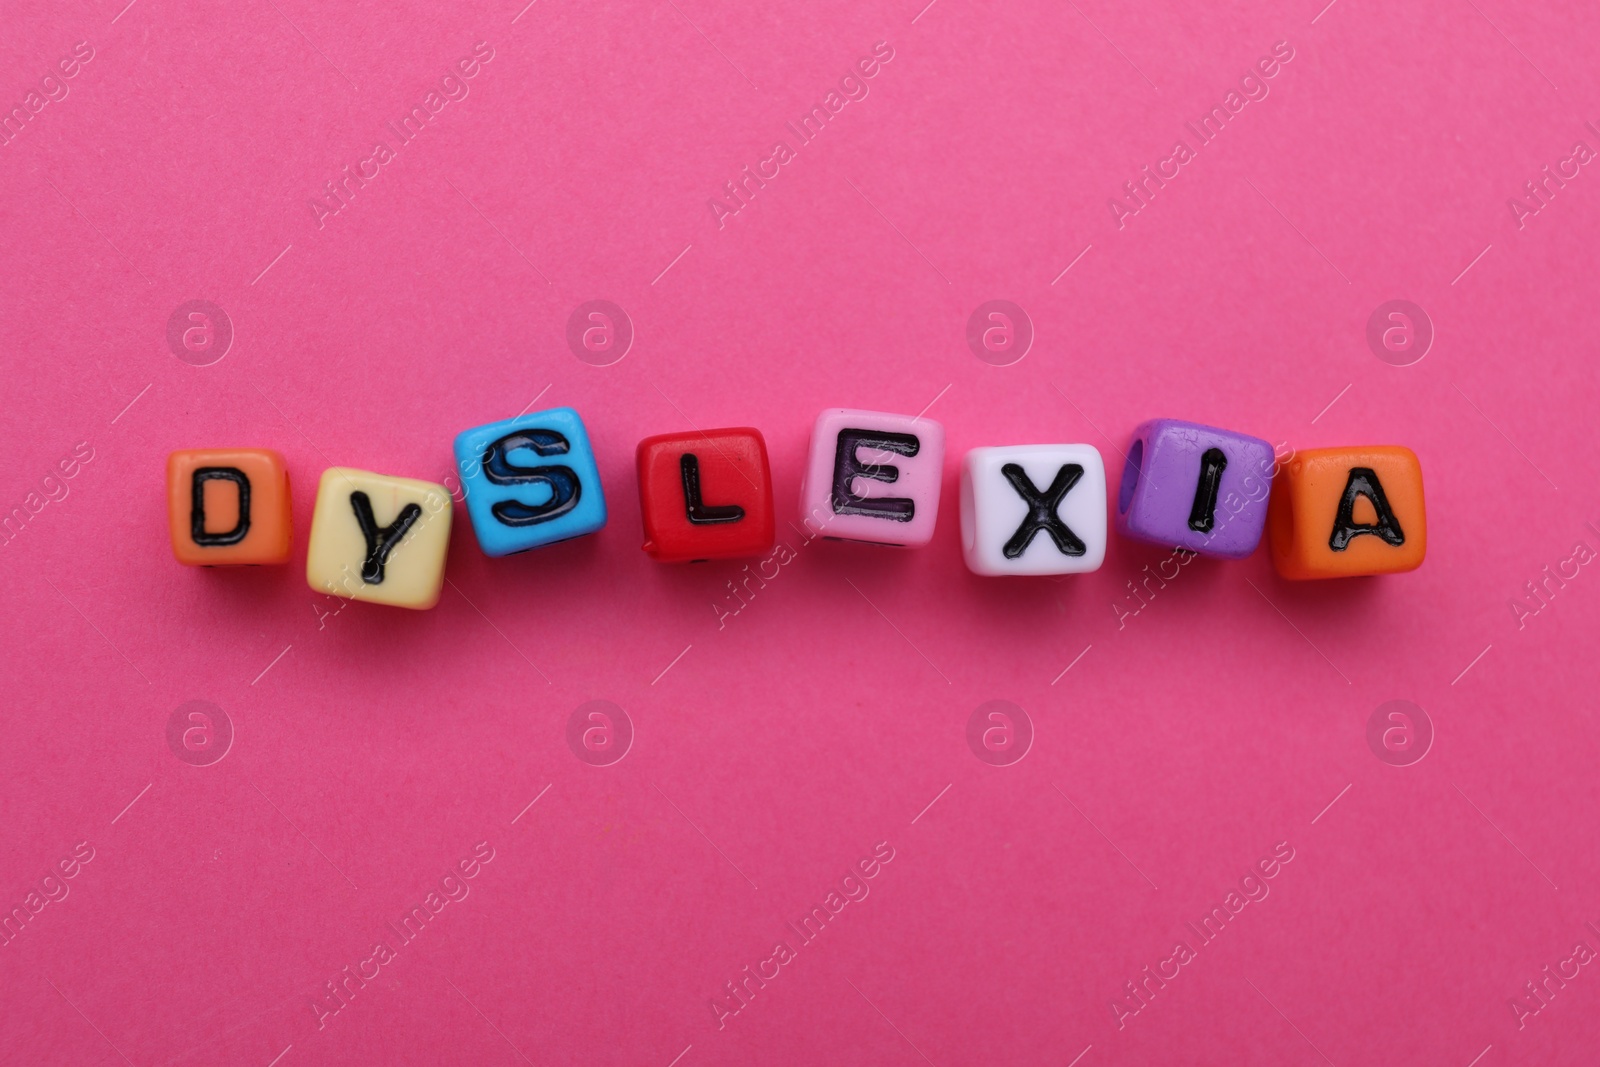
x,y
1340,512
228,506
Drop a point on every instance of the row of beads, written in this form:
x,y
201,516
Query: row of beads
x,y
871,476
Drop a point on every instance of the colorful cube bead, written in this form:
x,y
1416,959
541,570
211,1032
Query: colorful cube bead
x,y
705,495
1033,509
379,538
1338,512
228,506
874,477
530,481
1195,487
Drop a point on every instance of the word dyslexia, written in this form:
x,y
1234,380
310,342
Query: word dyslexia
x,y
870,476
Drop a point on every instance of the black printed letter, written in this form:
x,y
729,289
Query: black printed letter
x,y
1364,482
700,513
565,488
1042,511
380,541
1203,514
197,505
847,467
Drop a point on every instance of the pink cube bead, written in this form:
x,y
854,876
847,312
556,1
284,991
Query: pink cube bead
x,y
873,476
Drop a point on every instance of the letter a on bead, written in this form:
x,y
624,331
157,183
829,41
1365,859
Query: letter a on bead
x,y
1364,482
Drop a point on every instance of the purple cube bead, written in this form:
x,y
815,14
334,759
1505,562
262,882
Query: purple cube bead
x,y
1195,487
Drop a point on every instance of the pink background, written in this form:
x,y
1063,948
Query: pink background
x,y
375,747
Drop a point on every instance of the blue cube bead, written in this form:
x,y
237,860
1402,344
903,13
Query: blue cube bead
x,y
530,481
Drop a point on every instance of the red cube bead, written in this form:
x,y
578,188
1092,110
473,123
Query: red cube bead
x,y
706,495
